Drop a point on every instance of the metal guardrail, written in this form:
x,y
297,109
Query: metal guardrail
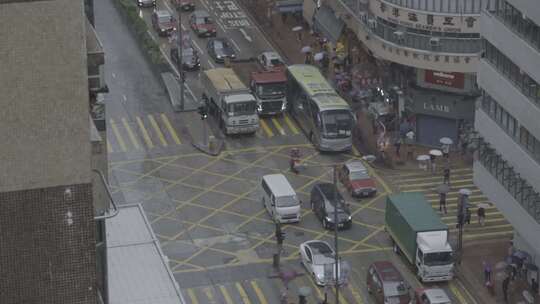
x,y
108,190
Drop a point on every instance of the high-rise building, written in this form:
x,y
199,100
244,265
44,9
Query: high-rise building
x,y
507,168
52,201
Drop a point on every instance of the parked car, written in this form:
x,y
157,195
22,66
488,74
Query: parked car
x,y
270,60
386,284
201,23
355,177
431,296
323,205
185,5
163,22
219,49
146,3
190,57
315,255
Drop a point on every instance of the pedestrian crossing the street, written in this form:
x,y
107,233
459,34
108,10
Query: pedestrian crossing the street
x,y
142,132
495,225
267,291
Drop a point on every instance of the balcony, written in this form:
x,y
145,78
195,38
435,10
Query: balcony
x,y
95,61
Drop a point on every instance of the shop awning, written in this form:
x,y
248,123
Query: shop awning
x,y
289,6
326,22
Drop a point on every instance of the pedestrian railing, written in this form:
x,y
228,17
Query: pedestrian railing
x,y
505,174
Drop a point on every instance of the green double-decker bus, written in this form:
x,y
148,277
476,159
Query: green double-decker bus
x,y
323,115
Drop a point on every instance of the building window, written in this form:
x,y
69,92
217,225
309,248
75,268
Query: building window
x,y
521,80
518,22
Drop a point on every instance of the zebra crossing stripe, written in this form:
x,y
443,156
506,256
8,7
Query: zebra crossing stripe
x,y
243,293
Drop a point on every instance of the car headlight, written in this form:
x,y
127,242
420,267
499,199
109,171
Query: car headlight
x,y
283,106
349,218
320,277
329,219
219,56
233,56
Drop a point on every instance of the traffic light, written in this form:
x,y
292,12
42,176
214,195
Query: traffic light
x,y
203,112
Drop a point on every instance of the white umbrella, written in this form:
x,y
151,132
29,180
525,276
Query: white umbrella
x,y
435,152
422,157
318,56
306,49
446,141
465,191
297,28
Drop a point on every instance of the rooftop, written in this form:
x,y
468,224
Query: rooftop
x,y
138,270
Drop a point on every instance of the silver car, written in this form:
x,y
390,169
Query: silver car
x,y
319,260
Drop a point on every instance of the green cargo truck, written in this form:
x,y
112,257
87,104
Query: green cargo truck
x,y
420,235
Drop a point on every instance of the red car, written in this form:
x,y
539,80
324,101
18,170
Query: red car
x,y
355,176
386,284
431,296
185,5
201,23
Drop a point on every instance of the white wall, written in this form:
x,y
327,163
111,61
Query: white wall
x,y
515,48
516,156
522,222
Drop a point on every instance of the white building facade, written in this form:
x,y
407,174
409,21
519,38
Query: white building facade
x,y
507,168
435,44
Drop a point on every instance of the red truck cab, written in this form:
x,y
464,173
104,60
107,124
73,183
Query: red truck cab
x,y
269,88
355,177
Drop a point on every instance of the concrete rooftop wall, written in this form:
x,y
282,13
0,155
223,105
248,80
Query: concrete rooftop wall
x,y
44,129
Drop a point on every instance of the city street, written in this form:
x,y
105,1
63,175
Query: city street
x,y
207,211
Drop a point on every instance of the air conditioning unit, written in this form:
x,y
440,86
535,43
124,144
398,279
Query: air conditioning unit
x,y
399,36
372,23
434,42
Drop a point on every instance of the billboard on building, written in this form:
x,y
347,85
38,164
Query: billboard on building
x,y
447,79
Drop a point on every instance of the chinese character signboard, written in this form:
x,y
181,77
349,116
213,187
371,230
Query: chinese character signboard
x,y
450,23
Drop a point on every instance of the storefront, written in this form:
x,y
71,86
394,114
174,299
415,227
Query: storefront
x,y
436,115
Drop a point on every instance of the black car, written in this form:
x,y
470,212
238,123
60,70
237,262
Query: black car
x,y
190,58
323,204
219,49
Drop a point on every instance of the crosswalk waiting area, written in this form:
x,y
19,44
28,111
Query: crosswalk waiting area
x,y
151,131
495,225
266,291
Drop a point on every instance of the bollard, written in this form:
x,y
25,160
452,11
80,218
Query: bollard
x,y
275,259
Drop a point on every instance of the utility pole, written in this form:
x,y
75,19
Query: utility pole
x,y
180,45
336,261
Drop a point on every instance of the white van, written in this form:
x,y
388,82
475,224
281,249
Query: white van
x,y
279,199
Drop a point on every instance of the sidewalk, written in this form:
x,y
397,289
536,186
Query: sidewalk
x,y
471,272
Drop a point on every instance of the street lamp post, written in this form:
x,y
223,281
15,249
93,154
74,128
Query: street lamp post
x,y
336,262
180,56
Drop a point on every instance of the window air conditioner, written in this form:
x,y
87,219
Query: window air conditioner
x,y
399,36
434,42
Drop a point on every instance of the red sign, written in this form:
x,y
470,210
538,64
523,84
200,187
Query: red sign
x,y
453,80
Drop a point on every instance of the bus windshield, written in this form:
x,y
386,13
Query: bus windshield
x,y
336,123
242,108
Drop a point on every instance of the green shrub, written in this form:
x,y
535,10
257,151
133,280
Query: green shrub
x,y
139,27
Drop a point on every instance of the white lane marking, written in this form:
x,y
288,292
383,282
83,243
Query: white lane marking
x,y
211,64
141,13
113,75
248,38
220,25
124,97
205,5
197,46
236,45
151,36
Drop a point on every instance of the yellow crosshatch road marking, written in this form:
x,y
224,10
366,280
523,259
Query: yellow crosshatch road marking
x,y
355,152
357,297
457,293
342,298
289,123
209,294
144,133
192,296
278,126
158,130
131,134
258,292
109,147
170,128
266,129
243,293
118,136
226,295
